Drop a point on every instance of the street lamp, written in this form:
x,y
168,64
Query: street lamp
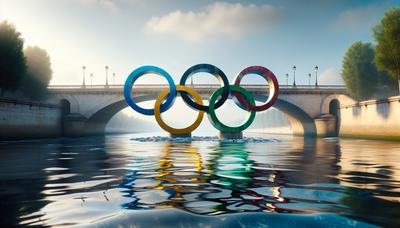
x,y
83,71
294,76
309,79
316,76
287,79
114,78
91,79
106,76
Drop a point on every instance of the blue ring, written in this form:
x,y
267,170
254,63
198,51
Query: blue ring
x,y
137,74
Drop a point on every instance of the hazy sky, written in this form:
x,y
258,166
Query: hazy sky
x,y
173,34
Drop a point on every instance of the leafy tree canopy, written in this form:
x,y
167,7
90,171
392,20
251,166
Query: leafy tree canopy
x,y
387,35
359,72
39,72
12,61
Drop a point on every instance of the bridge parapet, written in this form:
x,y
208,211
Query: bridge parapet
x,y
201,88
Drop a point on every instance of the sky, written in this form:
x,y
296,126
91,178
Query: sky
x,y
176,34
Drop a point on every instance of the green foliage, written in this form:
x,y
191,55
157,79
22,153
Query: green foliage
x,y
387,83
387,35
359,72
38,74
12,61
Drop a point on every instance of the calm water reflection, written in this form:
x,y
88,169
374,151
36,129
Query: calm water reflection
x,y
78,181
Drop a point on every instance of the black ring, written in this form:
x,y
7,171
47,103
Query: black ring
x,y
211,69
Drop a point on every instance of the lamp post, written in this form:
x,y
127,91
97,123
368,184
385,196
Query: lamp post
x,y
316,76
91,79
106,76
287,79
83,74
309,79
114,78
294,76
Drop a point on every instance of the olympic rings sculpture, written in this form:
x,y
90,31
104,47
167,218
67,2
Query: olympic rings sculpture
x,y
243,98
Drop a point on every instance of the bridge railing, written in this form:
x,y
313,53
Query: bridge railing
x,y
200,86
25,102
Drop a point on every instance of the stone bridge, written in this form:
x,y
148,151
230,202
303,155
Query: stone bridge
x,y
311,110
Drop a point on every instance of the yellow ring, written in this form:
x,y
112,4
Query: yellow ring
x,y
178,131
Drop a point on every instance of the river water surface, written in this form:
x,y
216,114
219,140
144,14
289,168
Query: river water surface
x,y
115,180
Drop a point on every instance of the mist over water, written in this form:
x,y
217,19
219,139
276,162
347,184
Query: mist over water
x,y
270,121
114,180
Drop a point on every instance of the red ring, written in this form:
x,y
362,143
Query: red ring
x,y
272,82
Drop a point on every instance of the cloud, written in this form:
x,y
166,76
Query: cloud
x,y
330,77
219,19
110,5
360,19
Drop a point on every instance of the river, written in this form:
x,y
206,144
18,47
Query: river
x,y
120,179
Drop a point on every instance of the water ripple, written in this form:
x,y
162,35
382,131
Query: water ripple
x,y
79,181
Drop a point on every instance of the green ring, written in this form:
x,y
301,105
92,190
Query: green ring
x,y
212,116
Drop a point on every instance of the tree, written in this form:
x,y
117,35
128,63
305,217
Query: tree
x,y
359,72
38,74
387,35
12,61
387,84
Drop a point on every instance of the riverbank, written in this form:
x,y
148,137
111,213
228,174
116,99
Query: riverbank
x,y
371,119
22,119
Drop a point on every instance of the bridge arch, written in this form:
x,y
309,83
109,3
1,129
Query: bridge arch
x,y
301,122
65,107
334,110
97,122
344,99
73,102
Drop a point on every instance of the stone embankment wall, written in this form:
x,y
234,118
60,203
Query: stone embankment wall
x,y
374,119
23,119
